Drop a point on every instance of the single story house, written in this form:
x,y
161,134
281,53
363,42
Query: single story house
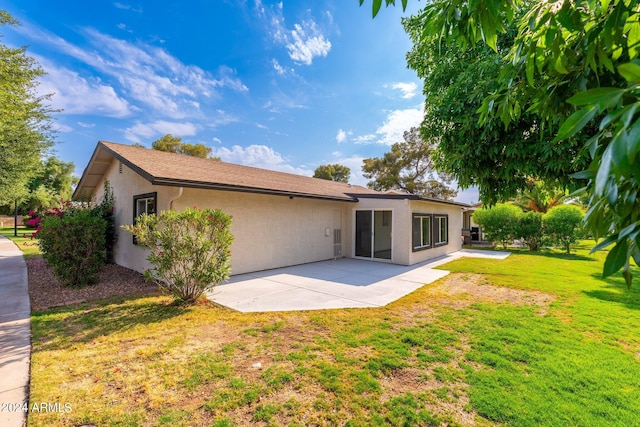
x,y
279,219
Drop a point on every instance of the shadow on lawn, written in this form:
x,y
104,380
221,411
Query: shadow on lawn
x,y
546,253
64,327
616,291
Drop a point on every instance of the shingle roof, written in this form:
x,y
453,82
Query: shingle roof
x,y
163,168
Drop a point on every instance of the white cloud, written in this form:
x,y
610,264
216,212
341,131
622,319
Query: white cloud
x,y
393,128
307,43
470,195
341,136
144,132
218,140
222,118
149,75
86,125
61,128
365,139
260,156
76,95
354,163
123,6
304,42
409,89
397,122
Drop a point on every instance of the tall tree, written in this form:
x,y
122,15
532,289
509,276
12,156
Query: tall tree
x,y
54,182
174,144
574,66
409,166
501,160
25,122
333,172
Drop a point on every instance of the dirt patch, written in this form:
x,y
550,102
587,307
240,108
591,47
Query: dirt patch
x,y
463,289
451,403
46,292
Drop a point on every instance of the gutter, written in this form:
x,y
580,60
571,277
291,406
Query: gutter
x,y
180,190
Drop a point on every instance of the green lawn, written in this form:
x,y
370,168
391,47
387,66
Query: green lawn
x,y
533,340
27,245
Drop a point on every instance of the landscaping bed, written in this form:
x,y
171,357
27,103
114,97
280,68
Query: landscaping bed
x,y
115,281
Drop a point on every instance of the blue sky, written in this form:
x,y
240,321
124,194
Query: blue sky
x,y
279,85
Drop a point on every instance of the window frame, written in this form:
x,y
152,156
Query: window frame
x,y
422,216
153,196
437,224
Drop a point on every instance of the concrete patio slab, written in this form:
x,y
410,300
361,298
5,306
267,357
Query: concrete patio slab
x,y
341,283
15,334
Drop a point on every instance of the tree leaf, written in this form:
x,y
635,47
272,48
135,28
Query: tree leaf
x,y
617,258
630,71
604,243
603,171
605,97
633,141
375,7
575,122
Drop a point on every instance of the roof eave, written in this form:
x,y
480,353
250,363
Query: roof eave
x,y
172,182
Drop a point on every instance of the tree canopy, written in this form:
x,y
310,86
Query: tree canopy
x,y
25,122
53,182
333,172
573,67
409,166
174,144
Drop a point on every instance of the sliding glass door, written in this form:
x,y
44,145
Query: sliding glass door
x,y
373,234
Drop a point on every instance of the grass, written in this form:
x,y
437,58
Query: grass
x,y
27,245
427,359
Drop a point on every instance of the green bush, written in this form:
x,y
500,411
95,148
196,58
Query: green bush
x,y
190,250
530,230
499,223
563,225
73,244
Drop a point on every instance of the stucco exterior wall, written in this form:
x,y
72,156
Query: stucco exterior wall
x,y
273,231
402,210
399,234
126,183
454,243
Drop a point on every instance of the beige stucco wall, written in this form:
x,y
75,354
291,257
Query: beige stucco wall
x,y
454,233
402,247
273,231
125,185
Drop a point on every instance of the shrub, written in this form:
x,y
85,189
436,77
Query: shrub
x,y
189,250
105,210
499,223
563,225
530,230
73,245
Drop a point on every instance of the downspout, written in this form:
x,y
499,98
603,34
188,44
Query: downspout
x,y
180,190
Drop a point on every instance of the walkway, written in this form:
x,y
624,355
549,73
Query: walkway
x,y
341,283
15,334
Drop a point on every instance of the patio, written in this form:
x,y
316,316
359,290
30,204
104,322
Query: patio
x,y
340,283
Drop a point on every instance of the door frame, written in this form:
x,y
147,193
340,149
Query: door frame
x,y
373,252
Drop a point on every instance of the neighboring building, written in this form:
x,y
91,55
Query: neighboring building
x,y
470,230
279,219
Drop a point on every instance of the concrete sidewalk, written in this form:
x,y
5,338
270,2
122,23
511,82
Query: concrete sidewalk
x,y
15,335
340,283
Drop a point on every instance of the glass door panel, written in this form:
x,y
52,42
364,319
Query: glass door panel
x,y
363,234
382,234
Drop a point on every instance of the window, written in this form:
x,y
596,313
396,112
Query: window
x,y
421,231
440,229
143,203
